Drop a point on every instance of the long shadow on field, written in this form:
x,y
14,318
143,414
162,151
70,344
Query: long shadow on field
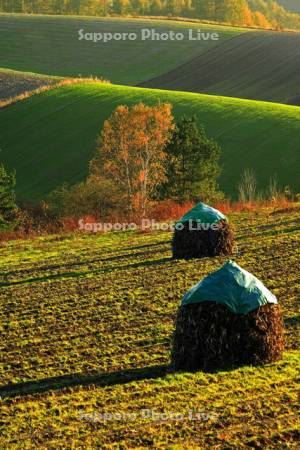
x,y
155,244
65,275
103,270
84,262
274,229
78,379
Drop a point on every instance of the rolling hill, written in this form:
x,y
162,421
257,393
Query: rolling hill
x,y
264,66
49,138
50,45
253,65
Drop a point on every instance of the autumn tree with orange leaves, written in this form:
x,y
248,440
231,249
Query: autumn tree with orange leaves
x,y
132,150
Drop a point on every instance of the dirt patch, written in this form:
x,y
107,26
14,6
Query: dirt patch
x,y
14,83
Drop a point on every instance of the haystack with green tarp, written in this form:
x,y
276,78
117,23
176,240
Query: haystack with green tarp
x,y
202,231
229,318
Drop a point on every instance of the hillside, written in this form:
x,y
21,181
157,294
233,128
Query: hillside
x,y
50,45
86,324
50,137
240,64
259,65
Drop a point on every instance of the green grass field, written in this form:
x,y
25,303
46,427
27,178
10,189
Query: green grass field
x,y
86,324
50,137
50,45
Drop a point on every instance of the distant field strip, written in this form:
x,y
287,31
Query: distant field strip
x,y
258,65
14,83
50,45
50,138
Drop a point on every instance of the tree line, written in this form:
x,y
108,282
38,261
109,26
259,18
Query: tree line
x,y
143,157
144,160
260,13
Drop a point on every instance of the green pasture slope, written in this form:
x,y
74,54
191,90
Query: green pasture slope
x,y
50,45
49,138
86,323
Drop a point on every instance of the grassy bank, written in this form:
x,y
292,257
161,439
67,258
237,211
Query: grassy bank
x,y
49,138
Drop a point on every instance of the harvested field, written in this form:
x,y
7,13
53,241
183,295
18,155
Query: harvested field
x,y
258,65
15,83
86,325
51,45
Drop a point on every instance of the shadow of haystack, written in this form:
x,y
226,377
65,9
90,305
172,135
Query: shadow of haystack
x,y
80,379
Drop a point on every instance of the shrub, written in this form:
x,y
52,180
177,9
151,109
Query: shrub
x,y
8,207
97,196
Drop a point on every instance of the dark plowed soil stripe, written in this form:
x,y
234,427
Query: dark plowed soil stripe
x,y
258,65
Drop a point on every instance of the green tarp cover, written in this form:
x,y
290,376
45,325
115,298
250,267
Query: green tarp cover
x,y
202,213
232,286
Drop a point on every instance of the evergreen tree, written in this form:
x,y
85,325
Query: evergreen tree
x,y
192,164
